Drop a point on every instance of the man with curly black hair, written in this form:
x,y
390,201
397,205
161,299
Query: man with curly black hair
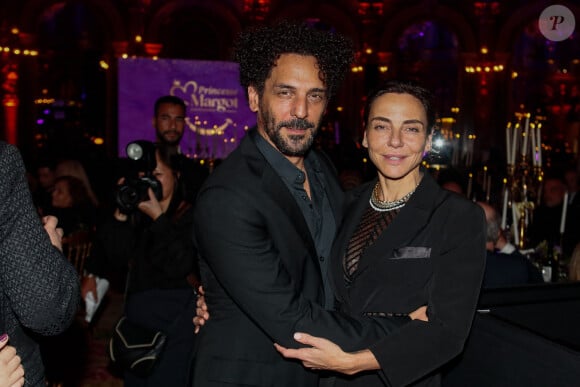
x,y
266,218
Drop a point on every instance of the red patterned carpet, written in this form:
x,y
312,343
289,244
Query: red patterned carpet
x,y
97,372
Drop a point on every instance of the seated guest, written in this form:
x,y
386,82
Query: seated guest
x,y
75,168
502,245
72,205
42,195
545,225
503,269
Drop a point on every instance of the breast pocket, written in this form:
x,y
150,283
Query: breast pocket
x,y
412,252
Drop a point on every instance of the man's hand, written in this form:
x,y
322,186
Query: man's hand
x,y
323,354
11,371
201,313
55,234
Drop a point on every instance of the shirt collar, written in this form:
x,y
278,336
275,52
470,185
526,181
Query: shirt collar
x,y
287,171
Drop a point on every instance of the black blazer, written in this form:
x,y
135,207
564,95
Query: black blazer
x,y
39,288
261,276
433,253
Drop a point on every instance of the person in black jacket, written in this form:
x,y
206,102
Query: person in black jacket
x,y
39,288
503,269
155,243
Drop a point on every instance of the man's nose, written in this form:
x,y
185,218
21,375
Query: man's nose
x,y
300,107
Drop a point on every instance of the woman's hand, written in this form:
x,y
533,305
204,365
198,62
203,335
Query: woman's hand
x,y
201,313
151,207
11,371
419,314
55,234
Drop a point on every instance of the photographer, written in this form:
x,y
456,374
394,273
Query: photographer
x,y
154,241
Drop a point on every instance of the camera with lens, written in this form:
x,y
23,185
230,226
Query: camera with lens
x,y
135,189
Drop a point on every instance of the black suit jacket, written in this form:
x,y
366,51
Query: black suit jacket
x,y
261,276
39,288
433,253
509,270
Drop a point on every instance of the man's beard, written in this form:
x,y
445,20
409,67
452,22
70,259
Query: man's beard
x,y
292,145
161,137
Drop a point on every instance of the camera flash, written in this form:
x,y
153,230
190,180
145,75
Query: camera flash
x,y
134,151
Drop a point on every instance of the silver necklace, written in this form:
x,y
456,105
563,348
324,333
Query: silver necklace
x,y
383,206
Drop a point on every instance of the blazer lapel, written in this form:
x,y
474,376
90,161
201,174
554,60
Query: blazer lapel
x,y
410,221
273,186
358,203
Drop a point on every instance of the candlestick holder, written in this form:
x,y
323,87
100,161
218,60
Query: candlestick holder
x,y
524,187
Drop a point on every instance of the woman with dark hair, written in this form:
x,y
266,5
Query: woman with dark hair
x,y
155,242
72,205
405,242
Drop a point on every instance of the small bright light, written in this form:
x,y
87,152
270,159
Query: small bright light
x,y
369,51
339,108
134,151
98,141
138,38
439,143
484,50
104,65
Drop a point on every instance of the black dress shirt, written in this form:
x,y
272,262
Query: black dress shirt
x,y
315,209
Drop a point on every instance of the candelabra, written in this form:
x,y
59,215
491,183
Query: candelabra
x,y
524,175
